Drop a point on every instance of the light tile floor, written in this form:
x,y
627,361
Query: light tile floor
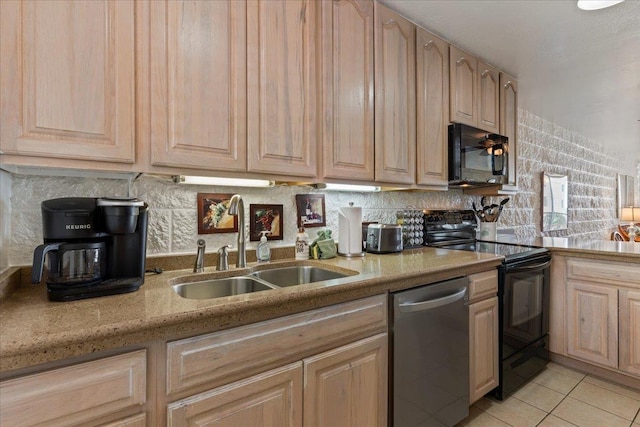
x,y
560,397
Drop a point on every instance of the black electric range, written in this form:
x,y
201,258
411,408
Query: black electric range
x,y
523,294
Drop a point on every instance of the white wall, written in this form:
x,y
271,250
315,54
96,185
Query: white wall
x,y
173,218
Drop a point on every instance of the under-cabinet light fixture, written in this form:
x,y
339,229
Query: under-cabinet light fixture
x,y
225,182
596,4
347,187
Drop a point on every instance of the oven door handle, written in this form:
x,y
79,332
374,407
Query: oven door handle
x,y
409,307
540,266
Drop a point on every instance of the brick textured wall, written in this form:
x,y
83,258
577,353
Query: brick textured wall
x,y
543,146
592,173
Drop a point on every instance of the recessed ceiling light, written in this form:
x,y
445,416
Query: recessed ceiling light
x,y
596,4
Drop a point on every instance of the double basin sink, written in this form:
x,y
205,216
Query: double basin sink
x,y
260,280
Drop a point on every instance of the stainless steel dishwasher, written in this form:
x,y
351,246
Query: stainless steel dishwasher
x,y
430,351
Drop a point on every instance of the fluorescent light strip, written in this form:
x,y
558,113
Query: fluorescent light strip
x,y
225,182
348,187
596,4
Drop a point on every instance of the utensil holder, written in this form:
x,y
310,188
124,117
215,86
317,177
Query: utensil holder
x,y
488,230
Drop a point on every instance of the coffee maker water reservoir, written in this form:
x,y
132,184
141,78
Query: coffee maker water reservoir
x,y
93,247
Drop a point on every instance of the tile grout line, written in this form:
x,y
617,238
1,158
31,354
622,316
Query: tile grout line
x,y
589,404
562,400
609,391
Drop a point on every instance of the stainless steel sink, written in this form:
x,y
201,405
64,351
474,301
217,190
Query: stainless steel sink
x,y
216,288
298,275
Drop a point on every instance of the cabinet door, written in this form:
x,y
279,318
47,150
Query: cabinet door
x,y
76,395
198,84
432,109
630,331
271,399
347,64
395,107
592,323
67,79
509,125
463,87
483,348
488,97
347,386
281,88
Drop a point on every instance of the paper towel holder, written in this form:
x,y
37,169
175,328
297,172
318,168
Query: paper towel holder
x,y
343,227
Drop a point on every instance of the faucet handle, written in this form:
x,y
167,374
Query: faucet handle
x,y
223,258
198,267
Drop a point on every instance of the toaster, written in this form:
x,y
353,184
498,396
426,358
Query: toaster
x,y
384,238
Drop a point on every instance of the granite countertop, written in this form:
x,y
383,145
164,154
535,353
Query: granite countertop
x,y
34,330
607,250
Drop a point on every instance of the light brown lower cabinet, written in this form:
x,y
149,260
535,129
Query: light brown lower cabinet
x,y
592,323
324,367
483,334
595,313
85,394
346,386
629,324
273,398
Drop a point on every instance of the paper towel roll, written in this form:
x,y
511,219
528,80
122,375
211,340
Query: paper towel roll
x,y
350,231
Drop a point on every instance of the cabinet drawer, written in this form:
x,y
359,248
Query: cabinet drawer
x,y
269,398
76,394
223,356
610,272
483,285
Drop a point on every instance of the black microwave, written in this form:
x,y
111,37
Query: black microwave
x,y
476,157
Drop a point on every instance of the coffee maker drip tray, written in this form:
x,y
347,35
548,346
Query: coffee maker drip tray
x,y
66,292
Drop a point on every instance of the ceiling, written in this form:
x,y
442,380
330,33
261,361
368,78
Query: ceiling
x,y
578,69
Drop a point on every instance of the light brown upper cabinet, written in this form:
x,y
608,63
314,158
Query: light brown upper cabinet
x,y
395,103
432,109
463,69
282,86
198,71
488,97
347,103
67,80
509,124
474,91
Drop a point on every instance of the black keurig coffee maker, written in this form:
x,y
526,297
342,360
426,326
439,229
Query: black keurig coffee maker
x,y
93,247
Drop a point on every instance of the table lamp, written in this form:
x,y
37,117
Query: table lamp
x,y
631,214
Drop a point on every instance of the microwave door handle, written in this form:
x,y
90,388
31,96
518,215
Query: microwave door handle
x,y
409,307
531,267
494,159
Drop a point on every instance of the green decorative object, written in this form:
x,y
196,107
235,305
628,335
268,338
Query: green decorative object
x,y
323,247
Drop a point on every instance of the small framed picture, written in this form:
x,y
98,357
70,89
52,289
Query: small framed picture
x,y
265,218
213,216
310,209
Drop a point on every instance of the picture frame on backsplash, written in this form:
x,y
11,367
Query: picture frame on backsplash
x,y
266,218
555,197
213,216
625,192
310,208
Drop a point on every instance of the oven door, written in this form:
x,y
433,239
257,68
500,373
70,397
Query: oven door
x,y
525,303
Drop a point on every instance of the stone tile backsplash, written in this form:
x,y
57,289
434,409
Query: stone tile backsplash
x,y
543,146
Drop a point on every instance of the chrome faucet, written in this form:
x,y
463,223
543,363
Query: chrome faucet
x,y
236,207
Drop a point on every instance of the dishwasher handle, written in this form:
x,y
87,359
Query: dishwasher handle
x,y
409,307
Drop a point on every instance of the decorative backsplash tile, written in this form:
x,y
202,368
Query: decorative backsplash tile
x,y
543,146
